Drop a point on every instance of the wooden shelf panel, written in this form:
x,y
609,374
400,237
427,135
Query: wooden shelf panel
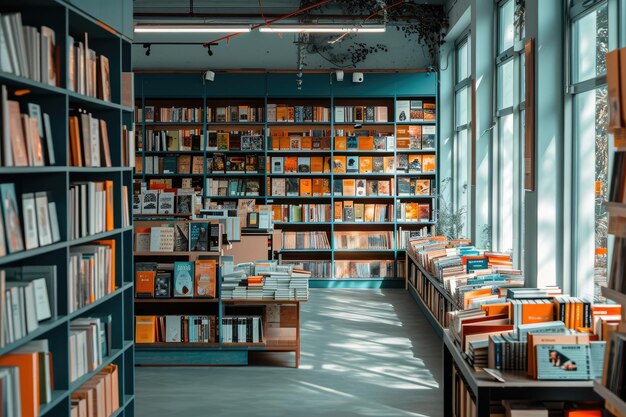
x,y
614,295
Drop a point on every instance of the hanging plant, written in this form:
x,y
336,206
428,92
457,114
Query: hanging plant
x,y
519,18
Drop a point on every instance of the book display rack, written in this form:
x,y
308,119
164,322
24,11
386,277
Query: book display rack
x,y
66,242
331,159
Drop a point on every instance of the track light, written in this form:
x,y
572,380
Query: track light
x,y
147,46
210,52
181,28
323,28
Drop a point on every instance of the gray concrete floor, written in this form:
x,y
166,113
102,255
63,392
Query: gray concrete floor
x,y
364,353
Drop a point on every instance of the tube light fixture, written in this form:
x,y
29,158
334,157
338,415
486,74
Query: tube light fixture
x,y
323,29
181,28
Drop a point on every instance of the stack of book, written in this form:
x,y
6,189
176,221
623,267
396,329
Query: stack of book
x,y
297,114
363,240
172,140
37,226
310,140
100,396
90,342
367,114
301,213
317,268
234,114
91,208
27,376
89,141
91,273
26,139
305,240
271,282
88,72
28,51
242,329
364,269
175,329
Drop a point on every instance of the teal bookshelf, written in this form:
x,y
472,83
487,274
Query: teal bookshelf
x,y
109,29
383,89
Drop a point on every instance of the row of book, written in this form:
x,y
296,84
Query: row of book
x,y
215,114
195,236
26,301
297,114
37,226
363,240
91,208
171,140
89,344
28,51
367,114
98,397
617,277
180,279
242,329
305,240
407,138
26,137
89,141
365,269
317,268
234,141
301,213
613,377
430,295
91,273
88,72
233,187
175,329
166,201
415,111
176,164
26,379
310,140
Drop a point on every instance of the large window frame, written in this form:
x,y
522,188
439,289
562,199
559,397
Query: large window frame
x,y
462,144
508,133
586,93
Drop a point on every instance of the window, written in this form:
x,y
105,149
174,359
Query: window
x,y
508,134
462,148
589,29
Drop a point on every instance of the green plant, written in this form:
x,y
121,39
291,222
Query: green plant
x,y
450,220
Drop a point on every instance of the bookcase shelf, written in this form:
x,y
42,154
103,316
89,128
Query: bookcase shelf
x,y
154,91
60,102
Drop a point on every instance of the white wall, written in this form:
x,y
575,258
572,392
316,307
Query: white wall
x,y
269,51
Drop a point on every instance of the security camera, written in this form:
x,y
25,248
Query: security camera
x,y
358,77
209,75
339,75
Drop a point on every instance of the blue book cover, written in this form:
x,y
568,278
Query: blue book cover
x,y
183,279
198,236
169,165
560,362
475,264
352,142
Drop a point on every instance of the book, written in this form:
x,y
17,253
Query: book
x,y
205,273
183,279
29,215
161,239
403,110
352,164
11,217
163,285
145,274
198,236
277,165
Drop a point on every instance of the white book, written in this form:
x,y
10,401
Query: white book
x,y
340,114
162,239
29,215
89,209
172,329
403,110
43,218
7,148
11,43
85,133
81,209
49,142
30,305
18,33
149,200
48,42
5,58
95,141
271,112
166,203
71,64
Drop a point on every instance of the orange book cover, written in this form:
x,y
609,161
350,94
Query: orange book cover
x,y
424,213
340,143
339,164
275,143
428,163
470,295
494,309
144,329
281,113
583,413
111,244
599,310
28,365
306,187
205,272
318,187
144,284
429,111
338,211
349,187
537,313
365,164
402,132
291,164
284,143
366,143
76,151
415,131
276,213
306,142
108,186
390,164
317,164
403,143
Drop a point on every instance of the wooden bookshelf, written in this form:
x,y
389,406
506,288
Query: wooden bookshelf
x,y
153,90
108,39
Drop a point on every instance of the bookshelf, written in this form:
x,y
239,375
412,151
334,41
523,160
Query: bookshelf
x,y
461,380
59,101
331,103
218,351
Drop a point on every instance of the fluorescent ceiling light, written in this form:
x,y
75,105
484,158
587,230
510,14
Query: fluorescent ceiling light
x,y
181,28
322,28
